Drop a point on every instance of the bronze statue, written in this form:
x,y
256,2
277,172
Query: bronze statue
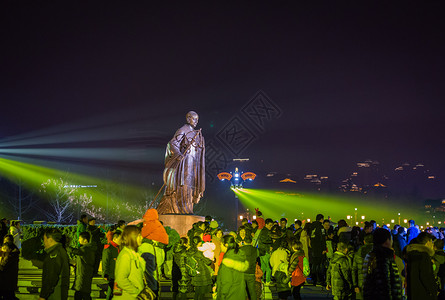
x,y
184,173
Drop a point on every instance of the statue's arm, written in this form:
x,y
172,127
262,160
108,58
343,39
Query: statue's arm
x,y
175,142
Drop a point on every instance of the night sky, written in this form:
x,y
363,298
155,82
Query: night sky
x,y
353,81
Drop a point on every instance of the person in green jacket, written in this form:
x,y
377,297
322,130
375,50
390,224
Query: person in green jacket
x,y
56,269
130,266
84,267
357,265
230,283
82,224
338,276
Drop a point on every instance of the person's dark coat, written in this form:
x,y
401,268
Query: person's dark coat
x,y
9,270
357,265
201,264
381,278
399,244
318,242
96,236
297,233
181,280
421,283
230,281
439,261
282,278
339,276
109,257
3,231
56,274
251,254
264,241
84,267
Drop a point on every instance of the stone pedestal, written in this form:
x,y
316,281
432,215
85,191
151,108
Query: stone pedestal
x,y
181,223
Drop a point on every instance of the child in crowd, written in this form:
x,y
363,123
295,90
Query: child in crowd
x,y
330,244
298,268
339,277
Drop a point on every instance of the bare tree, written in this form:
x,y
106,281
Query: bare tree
x,y
23,202
61,196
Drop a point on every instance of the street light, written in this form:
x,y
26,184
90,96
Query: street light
x,y
363,217
236,179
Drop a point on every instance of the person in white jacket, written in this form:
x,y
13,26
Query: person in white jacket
x,y
207,248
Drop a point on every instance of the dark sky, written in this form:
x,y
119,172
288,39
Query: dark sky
x,y
353,80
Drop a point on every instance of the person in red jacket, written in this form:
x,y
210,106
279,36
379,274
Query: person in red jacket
x,y
298,268
259,218
109,257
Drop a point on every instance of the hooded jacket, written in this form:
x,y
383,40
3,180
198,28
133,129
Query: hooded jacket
x,y
230,281
152,229
154,258
421,283
339,276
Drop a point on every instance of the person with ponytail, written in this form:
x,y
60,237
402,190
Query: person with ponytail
x,y
230,283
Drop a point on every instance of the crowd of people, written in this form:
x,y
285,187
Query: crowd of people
x,y
352,262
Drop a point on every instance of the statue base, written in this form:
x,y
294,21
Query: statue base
x,y
181,223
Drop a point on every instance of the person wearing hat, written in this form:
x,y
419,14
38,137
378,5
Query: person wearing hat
x,y
381,278
154,239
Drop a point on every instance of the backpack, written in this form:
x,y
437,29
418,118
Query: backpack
x,y
298,276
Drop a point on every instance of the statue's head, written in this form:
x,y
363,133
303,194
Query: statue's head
x,y
192,118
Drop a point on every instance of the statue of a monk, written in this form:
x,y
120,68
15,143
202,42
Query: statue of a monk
x,y
184,173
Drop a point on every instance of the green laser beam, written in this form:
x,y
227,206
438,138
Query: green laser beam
x,y
303,205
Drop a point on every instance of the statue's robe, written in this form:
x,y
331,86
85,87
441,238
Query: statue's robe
x,y
184,173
